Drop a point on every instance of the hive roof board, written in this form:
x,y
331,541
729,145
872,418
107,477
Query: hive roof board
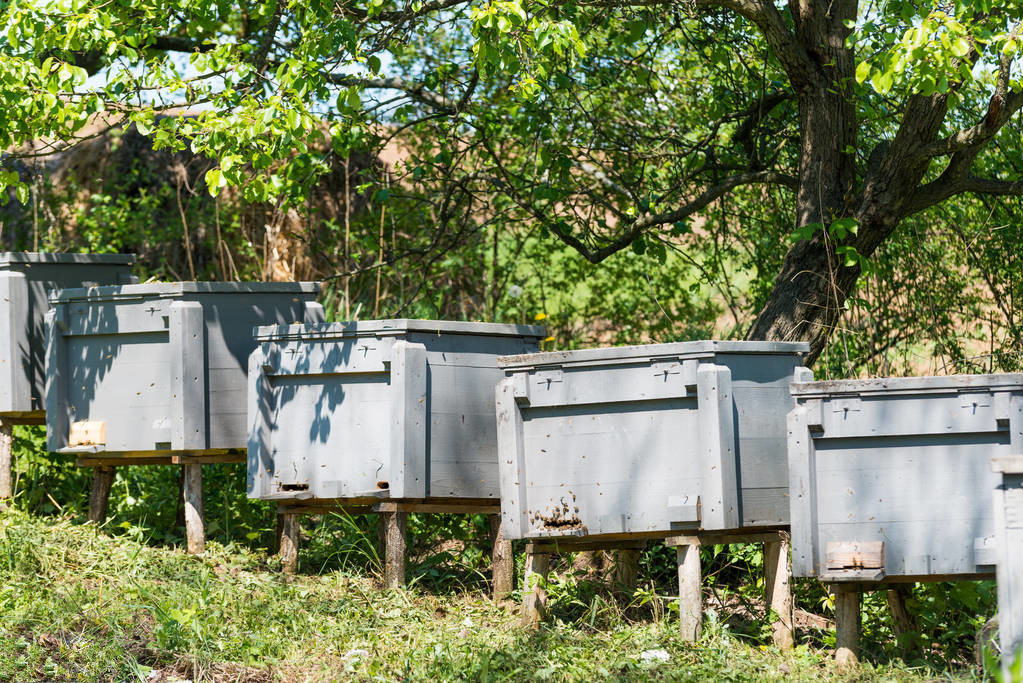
x,y
9,257
893,385
395,326
173,289
648,352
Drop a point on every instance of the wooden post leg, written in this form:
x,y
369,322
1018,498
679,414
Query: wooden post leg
x,y
690,593
394,552
847,624
179,511
626,572
903,621
287,542
6,460
195,522
99,496
534,595
502,562
777,572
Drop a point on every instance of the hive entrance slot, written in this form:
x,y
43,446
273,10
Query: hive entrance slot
x,y
383,485
294,487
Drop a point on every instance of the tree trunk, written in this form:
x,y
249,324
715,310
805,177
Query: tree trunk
x,y
811,288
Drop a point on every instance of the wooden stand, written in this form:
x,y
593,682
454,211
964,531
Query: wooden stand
x,y
195,519
190,484
777,573
99,496
847,623
534,592
391,533
287,541
395,546
626,572
778,592
6,460
502,561
538,554
690,591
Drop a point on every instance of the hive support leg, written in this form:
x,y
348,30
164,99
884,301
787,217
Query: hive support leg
x,y
287,541
179,512
777,572
626,572
99,496
534,595
502,564
690,593
847,624
903,621
6,460
587,562
394,551
195,523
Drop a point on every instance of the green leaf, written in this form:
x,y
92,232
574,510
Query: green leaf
x,y
373,63
862,72
214,178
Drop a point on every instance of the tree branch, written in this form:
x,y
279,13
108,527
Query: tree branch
x,y
643,223
938,190
765,16
1000,109
174,44
416,91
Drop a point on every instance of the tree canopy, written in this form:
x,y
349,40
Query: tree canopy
x,y
605,124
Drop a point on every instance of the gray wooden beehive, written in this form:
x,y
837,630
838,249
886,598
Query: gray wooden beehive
x,y
397,409
159,367
26,279
1008,514
645,441
890,477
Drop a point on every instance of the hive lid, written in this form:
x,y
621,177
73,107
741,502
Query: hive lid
x,y
171,289
8,257
362,328
691,349
907,385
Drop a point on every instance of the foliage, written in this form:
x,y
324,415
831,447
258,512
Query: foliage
x,y
79,604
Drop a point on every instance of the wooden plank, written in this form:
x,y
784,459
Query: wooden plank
x,y
88,433
440,508
626,576
690,592
121,462
856,555
778,592
195,522
847,625
724,539
288,541
511,459
6,460
207,459
502,561
904,623
99,495
394,550
104,459
188,375
534,593
802,488
58,418
568,546
719,497
407,476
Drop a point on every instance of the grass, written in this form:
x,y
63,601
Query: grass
x,y
79,604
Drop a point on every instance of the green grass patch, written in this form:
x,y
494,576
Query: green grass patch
x,y
79,604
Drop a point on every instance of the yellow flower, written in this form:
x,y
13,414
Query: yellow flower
x,y
540,316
